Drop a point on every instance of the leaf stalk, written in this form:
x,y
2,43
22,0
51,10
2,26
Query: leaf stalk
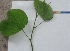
x,y
30,39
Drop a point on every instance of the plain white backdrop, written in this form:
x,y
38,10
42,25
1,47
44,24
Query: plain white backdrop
x,y
53,35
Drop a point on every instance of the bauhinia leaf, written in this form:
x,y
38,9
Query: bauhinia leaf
x,y
43,9
17,19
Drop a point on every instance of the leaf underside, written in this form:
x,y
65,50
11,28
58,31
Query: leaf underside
x,y
44,10
17,19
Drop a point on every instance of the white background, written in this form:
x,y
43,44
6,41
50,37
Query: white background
x,y
53,35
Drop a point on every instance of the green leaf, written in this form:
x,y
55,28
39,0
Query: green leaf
x,y
17,19
44,10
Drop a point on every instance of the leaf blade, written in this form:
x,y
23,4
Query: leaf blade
x,y
17,19
43,9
